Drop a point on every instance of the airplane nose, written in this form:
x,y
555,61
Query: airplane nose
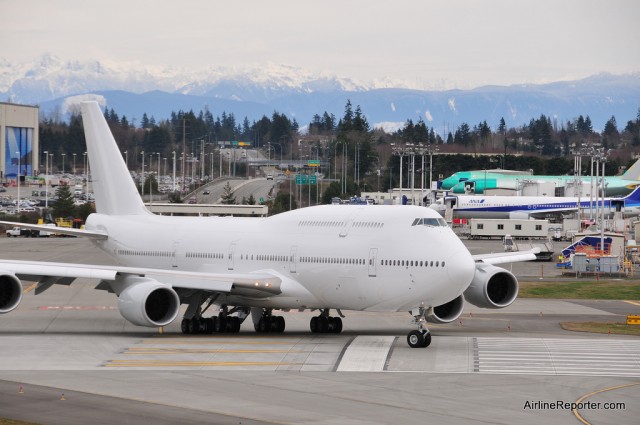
x,y
461,268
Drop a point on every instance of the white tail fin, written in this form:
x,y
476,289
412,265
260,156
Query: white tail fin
x,y
115,191
633,172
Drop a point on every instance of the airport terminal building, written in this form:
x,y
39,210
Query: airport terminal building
x,y
19,142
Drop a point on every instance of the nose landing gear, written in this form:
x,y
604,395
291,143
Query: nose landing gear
x,y
420,338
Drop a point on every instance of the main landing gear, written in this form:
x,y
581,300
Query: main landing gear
x,y
421,337
324,323
194,322
267,322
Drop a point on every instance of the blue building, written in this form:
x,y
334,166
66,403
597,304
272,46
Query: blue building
x,y
19,142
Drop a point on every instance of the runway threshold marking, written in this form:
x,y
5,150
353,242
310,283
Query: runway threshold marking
x,y
552,356
575,410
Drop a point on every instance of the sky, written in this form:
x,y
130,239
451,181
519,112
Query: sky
x,y
428,43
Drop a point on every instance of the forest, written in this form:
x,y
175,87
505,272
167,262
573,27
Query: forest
x,y
543,145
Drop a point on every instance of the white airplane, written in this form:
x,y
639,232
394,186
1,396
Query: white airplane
x,y
342,257
524,207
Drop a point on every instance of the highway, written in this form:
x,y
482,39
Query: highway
x,y
485,368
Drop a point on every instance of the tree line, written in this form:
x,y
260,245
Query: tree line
x,y
361,156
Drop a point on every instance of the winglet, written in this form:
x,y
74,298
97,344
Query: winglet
x,y
115,191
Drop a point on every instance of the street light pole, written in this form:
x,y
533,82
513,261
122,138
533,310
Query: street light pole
x,y
142,175
63,155
174,171
46,179
74,164
18,179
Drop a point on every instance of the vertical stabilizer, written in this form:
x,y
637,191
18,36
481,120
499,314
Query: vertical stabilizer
x,y
115,191
633,172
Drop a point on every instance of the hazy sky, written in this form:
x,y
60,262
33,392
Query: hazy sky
x,y
465,43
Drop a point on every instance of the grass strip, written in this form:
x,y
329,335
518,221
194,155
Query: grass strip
x,y
582,290
602,328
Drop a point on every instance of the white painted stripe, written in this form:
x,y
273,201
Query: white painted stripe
x,y
595,357
366,354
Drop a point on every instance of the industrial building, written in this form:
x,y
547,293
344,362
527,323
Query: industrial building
x,y
19,141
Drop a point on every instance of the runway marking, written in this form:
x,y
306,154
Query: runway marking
x,y
555,356
203,351
577,414
76,307
632,302
366,354
30,288
164,363
213,340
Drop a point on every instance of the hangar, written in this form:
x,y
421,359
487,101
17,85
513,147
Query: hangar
x,y
19,142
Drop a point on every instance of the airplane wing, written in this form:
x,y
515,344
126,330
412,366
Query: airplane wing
x,y
62,230
506,257
258,284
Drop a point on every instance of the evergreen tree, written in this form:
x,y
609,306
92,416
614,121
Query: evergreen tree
x,y
281,203
64,205
228,197
611,127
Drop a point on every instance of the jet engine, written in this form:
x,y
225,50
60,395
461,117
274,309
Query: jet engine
x,y
492,287
446,313
148,302
10,292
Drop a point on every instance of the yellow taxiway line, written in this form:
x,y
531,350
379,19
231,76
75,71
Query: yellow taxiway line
x,y
160,363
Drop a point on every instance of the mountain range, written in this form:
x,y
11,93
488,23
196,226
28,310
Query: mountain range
x,y
134,89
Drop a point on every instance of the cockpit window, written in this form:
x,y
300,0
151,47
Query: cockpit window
x,y
435,222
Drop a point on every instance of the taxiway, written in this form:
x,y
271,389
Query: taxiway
x,y
488,367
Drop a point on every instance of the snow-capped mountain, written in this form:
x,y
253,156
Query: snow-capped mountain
x,y
132,89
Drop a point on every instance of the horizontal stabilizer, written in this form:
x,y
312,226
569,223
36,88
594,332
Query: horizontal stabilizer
x,y
61,230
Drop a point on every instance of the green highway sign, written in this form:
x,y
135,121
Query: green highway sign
x,y
313,163
305,179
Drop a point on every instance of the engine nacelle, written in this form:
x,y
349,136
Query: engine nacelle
x,y
492,287
10,292
446,313
147,302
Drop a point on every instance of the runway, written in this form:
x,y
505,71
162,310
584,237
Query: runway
x,y
489,367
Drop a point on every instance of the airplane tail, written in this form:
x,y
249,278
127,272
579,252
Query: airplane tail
x,y
633,196
633,172
114,190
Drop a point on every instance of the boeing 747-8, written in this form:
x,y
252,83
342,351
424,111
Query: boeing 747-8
x,y
332,257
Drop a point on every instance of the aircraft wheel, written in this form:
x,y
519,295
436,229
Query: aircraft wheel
x,y
221,324
208,325
415,339
184,326
337,325
234,324
194,326
323,324
313,324
427,339
279,324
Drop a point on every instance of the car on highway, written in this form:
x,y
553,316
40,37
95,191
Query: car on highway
x,y
206,192
269,176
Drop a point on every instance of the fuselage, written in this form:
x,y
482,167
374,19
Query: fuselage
x,y
615,186
379,258
470,206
